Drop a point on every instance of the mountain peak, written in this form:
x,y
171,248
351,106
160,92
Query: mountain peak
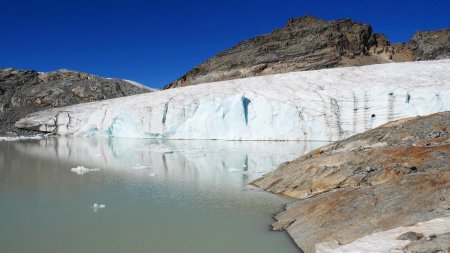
x,y
307,43
304,21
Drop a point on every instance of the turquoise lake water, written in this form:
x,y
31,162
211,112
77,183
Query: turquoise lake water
x,y
159,196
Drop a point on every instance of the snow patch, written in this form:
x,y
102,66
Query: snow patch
x,y
140,85
386,241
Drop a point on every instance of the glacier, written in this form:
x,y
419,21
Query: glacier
x,y
326,105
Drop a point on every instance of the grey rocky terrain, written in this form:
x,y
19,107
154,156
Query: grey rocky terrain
x,y
432,244
26,91
309,43
430,45
395,175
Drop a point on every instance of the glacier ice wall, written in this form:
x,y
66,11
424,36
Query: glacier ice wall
x,y
311,105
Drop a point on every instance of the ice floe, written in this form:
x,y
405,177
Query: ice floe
x,y
96,206
81,170
20,138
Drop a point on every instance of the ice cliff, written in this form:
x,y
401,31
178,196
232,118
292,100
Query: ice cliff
x,y
326,104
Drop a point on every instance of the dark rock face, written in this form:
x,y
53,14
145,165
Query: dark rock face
x,y
309,43
395,175
26,91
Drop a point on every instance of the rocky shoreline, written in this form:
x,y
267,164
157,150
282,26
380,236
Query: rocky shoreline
x,y
395,175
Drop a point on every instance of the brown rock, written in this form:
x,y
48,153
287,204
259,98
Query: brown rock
x,y
374,181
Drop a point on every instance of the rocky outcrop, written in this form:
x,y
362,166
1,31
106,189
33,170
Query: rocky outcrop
x,y
395,175
26,91
430,45
309,43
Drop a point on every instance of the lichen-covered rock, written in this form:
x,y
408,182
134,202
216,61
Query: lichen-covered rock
x,y
26,91
395,175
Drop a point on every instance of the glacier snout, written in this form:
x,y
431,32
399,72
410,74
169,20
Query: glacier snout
x,y
311,105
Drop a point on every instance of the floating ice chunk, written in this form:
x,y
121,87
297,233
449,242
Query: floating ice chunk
x,y
141,167
153,174
81,170
96,206
20,138
261,171
233,170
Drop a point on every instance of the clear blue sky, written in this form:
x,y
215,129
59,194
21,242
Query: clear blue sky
x,y
155,42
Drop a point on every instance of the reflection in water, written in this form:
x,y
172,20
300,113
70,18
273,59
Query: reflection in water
x,y
159,196
202,161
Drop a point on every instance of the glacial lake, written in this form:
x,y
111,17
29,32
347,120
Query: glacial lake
x,y
158,196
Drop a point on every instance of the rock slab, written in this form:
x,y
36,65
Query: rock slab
x,y
395,175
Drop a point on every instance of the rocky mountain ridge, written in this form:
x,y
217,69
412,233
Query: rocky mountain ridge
x,y
26,91
309,43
